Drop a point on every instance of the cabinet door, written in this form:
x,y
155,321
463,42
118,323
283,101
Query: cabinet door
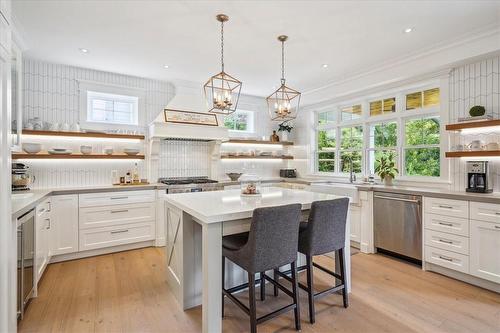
x,y
64,227
484,251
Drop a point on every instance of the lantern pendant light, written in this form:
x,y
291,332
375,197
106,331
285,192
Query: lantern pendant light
x,y
222,91
283,104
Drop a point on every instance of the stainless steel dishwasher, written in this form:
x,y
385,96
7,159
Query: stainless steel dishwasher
x,y
397,222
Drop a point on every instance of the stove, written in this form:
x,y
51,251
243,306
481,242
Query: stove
x,y
190,184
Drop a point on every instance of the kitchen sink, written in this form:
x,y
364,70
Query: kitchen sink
x,y
21,196
345,189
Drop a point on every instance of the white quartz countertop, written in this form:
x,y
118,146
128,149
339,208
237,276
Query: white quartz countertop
x,y
217,206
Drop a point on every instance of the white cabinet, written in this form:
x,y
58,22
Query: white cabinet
x,y
64,227
42,232
485,250
116,198
355,218
447,207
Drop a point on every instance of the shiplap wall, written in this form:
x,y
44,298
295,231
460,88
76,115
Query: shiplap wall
x,y
474,84
51,92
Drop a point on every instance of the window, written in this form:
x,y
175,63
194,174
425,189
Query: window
x,y
351,112
383,142
421,149
421,99
327,117
240,121
351,148
384,106
111,108
326,150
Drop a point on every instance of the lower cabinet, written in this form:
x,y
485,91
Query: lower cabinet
x,y
42,240
96,238
485,250
64,224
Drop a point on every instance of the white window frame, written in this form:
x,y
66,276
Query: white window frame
x,y
250,123
399,117
87,86
93,95
375,149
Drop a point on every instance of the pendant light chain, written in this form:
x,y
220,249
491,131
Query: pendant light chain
x,y
222,44
282,62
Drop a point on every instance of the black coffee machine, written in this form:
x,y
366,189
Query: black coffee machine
x,y
479,177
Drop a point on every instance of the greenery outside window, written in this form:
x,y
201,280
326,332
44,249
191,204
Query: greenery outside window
x,y
351,149
239,121
421,148
326,150
351,112
384,106
383,141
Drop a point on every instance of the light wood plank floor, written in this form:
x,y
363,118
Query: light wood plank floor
x,y
127,292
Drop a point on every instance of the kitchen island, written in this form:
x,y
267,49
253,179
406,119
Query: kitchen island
x,y
195,224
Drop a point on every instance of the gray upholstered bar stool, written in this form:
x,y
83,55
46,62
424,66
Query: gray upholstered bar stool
x,y
271,243
323,233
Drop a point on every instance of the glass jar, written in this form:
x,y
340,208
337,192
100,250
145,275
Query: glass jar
x,y
250,185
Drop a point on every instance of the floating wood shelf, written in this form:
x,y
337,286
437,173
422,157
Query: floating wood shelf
x,y
473,124
43,155
86,134
259,157
253,142
478,153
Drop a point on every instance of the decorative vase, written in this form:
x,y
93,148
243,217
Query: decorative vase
x,y
388,181
284,136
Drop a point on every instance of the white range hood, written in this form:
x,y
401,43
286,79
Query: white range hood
x,y
188,97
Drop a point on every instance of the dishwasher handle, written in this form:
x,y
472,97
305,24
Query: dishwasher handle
x,y
397,199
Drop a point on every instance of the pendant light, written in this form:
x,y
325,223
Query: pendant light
x,y
222,91
283,104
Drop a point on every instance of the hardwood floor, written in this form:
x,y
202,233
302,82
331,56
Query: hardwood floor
x,y
127,292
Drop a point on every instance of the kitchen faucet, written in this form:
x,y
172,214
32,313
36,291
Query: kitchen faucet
x,y
352,175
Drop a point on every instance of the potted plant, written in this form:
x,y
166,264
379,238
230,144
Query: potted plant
x,y
386,168
285,128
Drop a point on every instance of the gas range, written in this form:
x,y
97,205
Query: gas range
x,y
190,184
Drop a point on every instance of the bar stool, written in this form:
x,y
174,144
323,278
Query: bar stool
x,y
271,243
323,233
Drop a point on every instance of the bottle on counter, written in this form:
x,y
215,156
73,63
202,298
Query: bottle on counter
x,y
128,178
135,175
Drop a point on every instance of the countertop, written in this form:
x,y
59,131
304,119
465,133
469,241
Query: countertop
x,y
22,202
216,206
435,193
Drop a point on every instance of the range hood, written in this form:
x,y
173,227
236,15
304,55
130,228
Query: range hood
x,y
188,97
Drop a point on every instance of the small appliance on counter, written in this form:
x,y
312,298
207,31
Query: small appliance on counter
x,y
21,177
479,177
288,173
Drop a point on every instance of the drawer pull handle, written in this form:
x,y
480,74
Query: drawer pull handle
x,y
119,211
497,213
445,241
446,224
445,206
117,198
119,231
497,227
50,207
41,211
49,225
445,258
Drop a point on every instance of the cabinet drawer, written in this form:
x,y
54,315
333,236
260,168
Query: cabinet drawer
x,y
485,212
448,259
457,208
448,224
446,241
106,216
97,238
116,198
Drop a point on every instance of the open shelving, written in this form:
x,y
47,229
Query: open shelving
x,y
473,124
260,142
85,134
476,153
42,155
259,157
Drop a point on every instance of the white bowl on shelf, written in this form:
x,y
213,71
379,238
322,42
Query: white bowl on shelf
x,y
108,151
32,148
131,151
86,150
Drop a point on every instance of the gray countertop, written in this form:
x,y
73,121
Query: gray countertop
x,y
29,199
435,193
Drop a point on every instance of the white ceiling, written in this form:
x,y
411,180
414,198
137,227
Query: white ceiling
x,y
140,37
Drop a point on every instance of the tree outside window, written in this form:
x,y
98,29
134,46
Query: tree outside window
x,y
422,152
326,150
351,147
383,142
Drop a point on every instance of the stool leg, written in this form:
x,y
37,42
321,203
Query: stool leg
x,y
295,290
310,289
252,305
262,287
342,274
223,278
276,277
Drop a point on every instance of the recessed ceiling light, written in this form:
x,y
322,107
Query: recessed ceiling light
x,y
83,50
165,66
408,30
324,65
